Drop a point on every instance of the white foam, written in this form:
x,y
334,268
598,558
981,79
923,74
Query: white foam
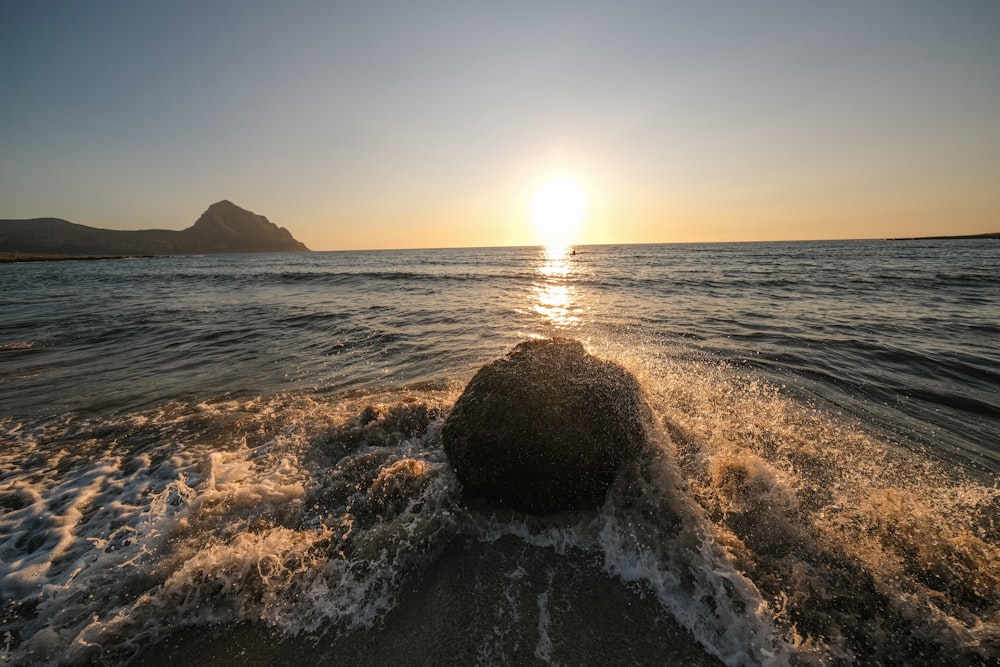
x,y
544,646
796,497
183,515
115,531
690,574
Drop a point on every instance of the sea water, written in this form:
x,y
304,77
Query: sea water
x,y
244,452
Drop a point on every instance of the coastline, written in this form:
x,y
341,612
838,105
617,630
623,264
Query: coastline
x,y
12,258
957,237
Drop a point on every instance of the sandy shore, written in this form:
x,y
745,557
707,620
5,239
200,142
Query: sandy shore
x,y
500,604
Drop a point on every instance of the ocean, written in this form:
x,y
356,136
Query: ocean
x,y
237,459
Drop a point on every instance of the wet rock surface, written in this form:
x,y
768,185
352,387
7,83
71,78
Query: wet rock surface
x,y
545,428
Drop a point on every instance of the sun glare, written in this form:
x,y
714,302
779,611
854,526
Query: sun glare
x,y
558,208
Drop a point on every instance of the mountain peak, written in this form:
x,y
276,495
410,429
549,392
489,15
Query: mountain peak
x,y
229,226
225,205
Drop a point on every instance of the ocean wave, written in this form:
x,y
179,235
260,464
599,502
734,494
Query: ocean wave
x,y
771,531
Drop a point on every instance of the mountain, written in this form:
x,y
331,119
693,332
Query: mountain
x,y
223,228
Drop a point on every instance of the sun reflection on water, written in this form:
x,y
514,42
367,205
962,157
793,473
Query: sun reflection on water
x,y
554,296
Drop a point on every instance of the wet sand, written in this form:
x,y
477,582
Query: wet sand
x,y
502,603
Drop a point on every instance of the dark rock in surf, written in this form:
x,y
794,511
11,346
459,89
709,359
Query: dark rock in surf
x,y
545,428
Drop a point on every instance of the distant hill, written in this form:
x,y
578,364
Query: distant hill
x,y
223,228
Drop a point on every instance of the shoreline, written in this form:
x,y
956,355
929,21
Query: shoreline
x,y
957,237
12,258
506,600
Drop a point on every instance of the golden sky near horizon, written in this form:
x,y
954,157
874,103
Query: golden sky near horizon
x,y
396,125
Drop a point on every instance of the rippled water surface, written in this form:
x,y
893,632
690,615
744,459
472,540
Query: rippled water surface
x,y
901,333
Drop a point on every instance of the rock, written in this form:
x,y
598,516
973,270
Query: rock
x,y
545,428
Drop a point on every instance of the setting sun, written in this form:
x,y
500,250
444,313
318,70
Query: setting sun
x,y
558,208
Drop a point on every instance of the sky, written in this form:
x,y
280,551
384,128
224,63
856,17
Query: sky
x,y
432,124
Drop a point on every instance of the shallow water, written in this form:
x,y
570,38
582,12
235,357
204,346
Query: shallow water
x,y
194,441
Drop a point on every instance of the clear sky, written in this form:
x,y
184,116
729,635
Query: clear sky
x,y
430,124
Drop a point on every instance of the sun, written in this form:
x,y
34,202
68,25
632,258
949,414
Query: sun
x,y
558,209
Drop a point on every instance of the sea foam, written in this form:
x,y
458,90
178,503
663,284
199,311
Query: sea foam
x,y
773,531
